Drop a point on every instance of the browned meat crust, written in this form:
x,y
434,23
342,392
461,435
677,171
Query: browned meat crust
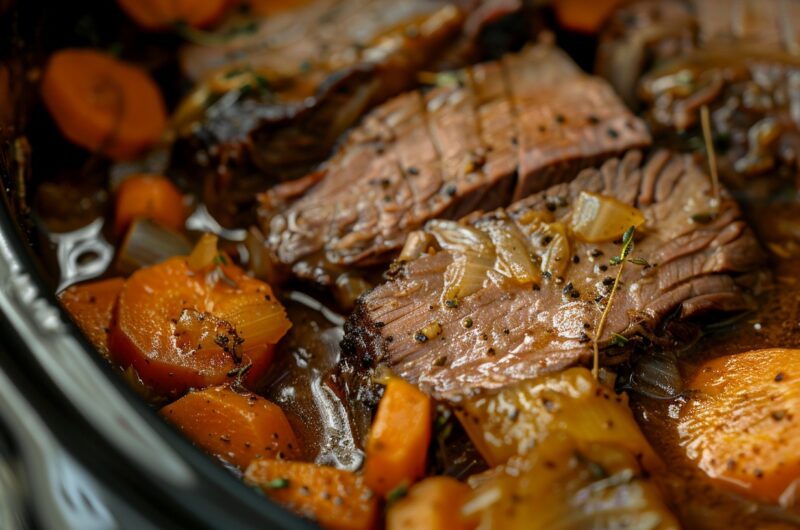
x,y
513,127
673,57
319,68
506,331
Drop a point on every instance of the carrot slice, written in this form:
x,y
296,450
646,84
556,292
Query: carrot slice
x,y
586,16
91,306
398,439
103,104
183,328
433,504
163,14
234,425
741,424
150,196
337,499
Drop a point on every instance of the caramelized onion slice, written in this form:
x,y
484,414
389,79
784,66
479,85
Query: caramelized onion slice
x,y
465,276
597,218
556,255
519,417
473,256
255,321
513,248
204,252
459,238
568,484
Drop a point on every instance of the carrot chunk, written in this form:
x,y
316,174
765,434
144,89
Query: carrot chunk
x,y
103,104
398,439
157,15
741,424
91,306
337,499
586,16
433,504
149,196
182,328
234,425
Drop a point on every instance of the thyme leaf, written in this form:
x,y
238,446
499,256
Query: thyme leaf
x,y
627,247
705,121
619,340
396,494
640,261
277,483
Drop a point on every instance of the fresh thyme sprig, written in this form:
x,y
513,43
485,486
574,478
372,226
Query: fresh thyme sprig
x,y
705,121
627,248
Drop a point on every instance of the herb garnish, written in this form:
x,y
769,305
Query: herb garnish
x,y
396,494
199,36
705,120
277,483
619,340
627,247
640,261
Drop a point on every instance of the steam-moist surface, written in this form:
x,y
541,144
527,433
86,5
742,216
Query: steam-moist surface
x,y
514,127
506,331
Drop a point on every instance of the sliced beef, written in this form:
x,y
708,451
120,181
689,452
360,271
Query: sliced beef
x,y
685,264
271,102
510,128
739,60
283,93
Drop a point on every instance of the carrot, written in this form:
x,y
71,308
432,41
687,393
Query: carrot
x,y
398,439
150,196
234,425
182,327
433,504
741,424
103,104
585,16
91,306
158,15
337,499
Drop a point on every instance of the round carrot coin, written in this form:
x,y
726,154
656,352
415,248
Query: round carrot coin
x,y
162,14
103,104
181,328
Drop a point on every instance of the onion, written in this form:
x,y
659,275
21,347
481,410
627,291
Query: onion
x,y
417,243
204,252
657,376
556,255
597,218
550,240
576,483
148,243
256,321
459,238
513,249
465,276
262,261
473,257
